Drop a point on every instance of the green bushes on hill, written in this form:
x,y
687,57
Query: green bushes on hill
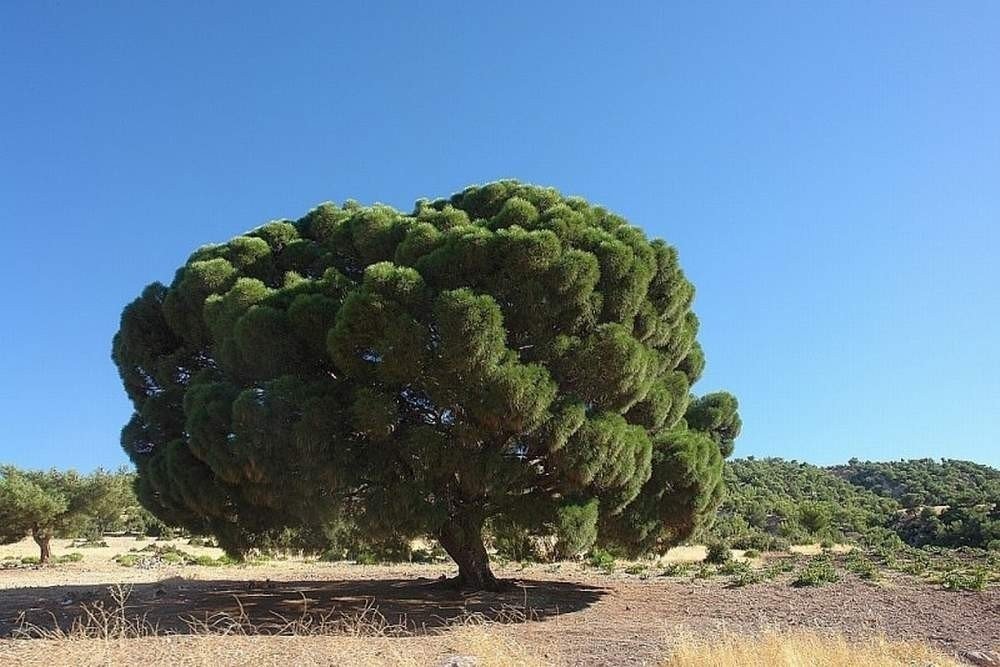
x,y
771,503
919,482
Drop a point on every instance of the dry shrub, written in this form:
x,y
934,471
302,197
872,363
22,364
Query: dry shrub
x,y
491,641
213,651
97,621
109,635
803,649
368,622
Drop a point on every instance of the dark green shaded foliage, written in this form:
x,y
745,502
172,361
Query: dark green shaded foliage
x,y
576,529
925,481
771,502
716,415
977,526
513,542
507,355
718,553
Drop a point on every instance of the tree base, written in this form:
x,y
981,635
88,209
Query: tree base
x,y
44,543
462,538
463,584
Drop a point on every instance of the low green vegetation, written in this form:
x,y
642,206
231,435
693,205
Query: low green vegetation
x,y
154,554
601,560
733,567
779,567
30,561
742,574
705,571
818,572
973,579
677,570
860,564
925,482
127,560
718,553
636,569
89,543
72,557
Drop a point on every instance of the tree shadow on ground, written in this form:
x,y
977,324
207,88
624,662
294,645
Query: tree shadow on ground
x,y
420,605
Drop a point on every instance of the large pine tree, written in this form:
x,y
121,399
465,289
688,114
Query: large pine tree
x,y
507,354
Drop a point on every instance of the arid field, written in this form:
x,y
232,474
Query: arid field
x,y
673,611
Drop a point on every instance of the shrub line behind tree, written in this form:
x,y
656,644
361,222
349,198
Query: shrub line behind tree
x,y
770,503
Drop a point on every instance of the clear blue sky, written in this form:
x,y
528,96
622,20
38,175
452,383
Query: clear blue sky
x,y
830,175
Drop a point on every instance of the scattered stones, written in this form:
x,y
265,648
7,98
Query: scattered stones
x,y
460,661
981,658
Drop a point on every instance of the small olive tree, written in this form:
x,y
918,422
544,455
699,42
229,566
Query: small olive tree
x,y
42,504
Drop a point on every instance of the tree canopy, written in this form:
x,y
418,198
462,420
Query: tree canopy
x,y
42,504
507,353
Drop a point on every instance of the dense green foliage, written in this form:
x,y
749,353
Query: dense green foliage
x,y
46,504
950,503
772,502
507,355
977,526
54,503
921,482
112,507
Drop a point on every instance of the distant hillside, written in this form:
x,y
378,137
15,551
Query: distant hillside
x,y
925,481
773,502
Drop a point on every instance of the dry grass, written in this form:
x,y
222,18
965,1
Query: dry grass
x,y
619,626
490,647
816,549
98,566
696,553
100,555
110,635
489,644
685,554
803,649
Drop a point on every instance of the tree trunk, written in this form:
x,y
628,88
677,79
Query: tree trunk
x,y
462,538
44,543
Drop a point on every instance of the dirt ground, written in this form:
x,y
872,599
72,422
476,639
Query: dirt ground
x,y
577,615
